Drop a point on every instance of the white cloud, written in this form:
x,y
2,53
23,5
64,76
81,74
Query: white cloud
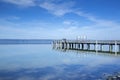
x,y
70,23
48,77
26,78
98,22
22,3
14,17
10,18
67,22
59,9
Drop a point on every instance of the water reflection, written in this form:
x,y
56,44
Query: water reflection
x,y
40,62
61,72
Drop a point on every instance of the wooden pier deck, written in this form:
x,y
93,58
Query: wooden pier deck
x,y
113,46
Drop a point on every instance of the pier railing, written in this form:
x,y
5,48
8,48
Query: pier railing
x,y
91,41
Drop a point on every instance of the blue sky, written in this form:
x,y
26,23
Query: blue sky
x,y
56,19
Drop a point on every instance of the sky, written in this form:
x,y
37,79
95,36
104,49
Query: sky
x,y
57,19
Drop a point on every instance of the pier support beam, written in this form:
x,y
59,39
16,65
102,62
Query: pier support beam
x,y
119,48
115,46
94,47
65,45
82,46
69,45
110,48
75,45
101,47
72,45
88,46
78,46
62,45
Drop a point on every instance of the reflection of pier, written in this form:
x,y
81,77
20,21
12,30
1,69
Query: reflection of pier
x,y
112,46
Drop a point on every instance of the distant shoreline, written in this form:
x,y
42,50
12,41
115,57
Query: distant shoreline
x,y
26,41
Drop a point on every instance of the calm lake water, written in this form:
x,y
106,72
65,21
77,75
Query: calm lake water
x,y
41,62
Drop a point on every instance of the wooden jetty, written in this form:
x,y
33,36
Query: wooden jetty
x,y
113,46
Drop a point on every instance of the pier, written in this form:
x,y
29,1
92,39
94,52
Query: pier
x,y
109,46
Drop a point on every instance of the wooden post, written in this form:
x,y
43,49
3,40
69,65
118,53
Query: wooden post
x,y
100,47
88,46
119,48
115,47
75,46
82,46
72,45
110,48
69,45
63,45
96,47
78,46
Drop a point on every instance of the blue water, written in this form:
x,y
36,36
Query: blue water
x,y
41,62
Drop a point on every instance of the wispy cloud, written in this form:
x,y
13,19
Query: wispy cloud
x,y
97,21
10,18
58,9
22,3
71,23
